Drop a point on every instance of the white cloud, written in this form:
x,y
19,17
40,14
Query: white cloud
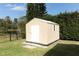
x,y
18,8
14,7
10,5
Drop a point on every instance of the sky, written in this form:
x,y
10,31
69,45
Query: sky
x,y
12,10
56,8
16,10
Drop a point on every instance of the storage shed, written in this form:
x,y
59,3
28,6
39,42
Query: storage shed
x,y
42,32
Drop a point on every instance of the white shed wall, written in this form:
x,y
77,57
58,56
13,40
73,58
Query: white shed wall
x,y
47,33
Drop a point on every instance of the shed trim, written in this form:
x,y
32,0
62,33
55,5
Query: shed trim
x,y
41,43
46,21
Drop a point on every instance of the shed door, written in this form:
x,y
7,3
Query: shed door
x,y
35,33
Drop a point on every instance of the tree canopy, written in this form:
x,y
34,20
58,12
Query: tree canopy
x,y
35,10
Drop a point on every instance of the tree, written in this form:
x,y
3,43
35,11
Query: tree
x,y
16,27
15,20
21,25
8,22
15,23
39,10
8,25
2,25
69,24
35,10
30,11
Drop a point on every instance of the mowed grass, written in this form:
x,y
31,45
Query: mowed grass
x,y
15,48
59,48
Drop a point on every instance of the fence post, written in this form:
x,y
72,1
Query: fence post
x,y
10,36
16,35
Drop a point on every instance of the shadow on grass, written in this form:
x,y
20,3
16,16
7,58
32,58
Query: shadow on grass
x,y
64,50
5,41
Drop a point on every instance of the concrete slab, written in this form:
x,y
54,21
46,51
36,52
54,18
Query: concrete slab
x,y
31,45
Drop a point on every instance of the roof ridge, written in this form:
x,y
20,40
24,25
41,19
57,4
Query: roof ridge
x,y
47,21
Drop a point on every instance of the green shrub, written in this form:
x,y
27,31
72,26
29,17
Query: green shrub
x,y
69,24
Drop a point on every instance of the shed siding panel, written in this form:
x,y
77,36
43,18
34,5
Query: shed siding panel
x,y
47,33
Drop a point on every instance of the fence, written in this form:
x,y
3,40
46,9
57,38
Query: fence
x,y
9,36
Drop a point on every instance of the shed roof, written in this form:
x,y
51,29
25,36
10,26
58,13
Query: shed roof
x,y
46,21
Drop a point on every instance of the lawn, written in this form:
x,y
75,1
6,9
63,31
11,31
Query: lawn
x,y
59,48
15,48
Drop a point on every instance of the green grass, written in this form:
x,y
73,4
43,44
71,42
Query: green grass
x,y
59,48
14,48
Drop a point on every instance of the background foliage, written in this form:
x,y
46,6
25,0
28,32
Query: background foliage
x,y
68,21
69,24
